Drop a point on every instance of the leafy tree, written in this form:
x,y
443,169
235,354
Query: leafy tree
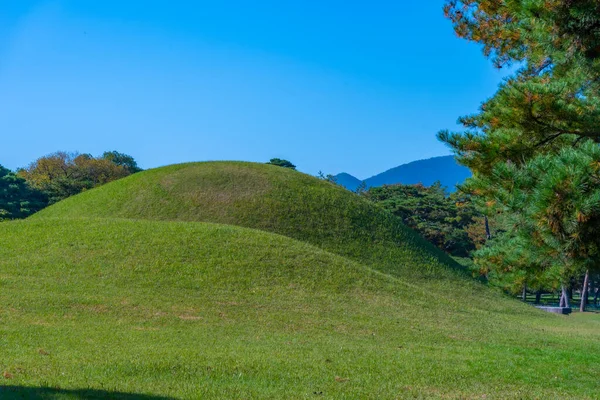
x,y
123,160
544,113
282,163
17,198
61,174
441,219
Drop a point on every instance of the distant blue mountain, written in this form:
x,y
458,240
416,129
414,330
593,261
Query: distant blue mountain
x,y
348,181
444,169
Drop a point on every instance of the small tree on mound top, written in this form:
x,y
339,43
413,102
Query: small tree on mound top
x,y
123,160
282,163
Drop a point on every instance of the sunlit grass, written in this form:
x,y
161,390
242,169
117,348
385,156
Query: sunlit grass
x,y
188,310
127,292
269,198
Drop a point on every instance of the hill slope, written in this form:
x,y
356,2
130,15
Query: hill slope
x,y
443,169
123,309
268,198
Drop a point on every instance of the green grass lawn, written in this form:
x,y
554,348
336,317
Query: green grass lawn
x,y
132,292
188,310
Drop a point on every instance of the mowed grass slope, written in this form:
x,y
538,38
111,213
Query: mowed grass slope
x,y
96,308
286,202
268,198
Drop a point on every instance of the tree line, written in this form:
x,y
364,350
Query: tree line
x,y
450,222
57,176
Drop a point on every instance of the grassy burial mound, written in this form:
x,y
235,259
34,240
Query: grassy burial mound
x,y
132,291
268,198
173,310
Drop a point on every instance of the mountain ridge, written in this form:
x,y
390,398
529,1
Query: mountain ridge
x,y
427,171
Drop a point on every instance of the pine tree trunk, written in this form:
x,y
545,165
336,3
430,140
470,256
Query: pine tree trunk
x,y
488,234
524,295
561,298
564,298
538,297
584,291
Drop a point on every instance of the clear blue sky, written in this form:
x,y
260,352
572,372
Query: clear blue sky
x,y
331,85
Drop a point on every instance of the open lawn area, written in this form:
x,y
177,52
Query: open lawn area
x,y
189,310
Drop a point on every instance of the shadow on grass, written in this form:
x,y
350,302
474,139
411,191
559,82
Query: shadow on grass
x,y
44,393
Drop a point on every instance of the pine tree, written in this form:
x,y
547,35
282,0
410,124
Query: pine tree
x,y
553,207
17,198
531,145
554,98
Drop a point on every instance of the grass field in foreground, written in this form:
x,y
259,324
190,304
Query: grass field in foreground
x,y
189,310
